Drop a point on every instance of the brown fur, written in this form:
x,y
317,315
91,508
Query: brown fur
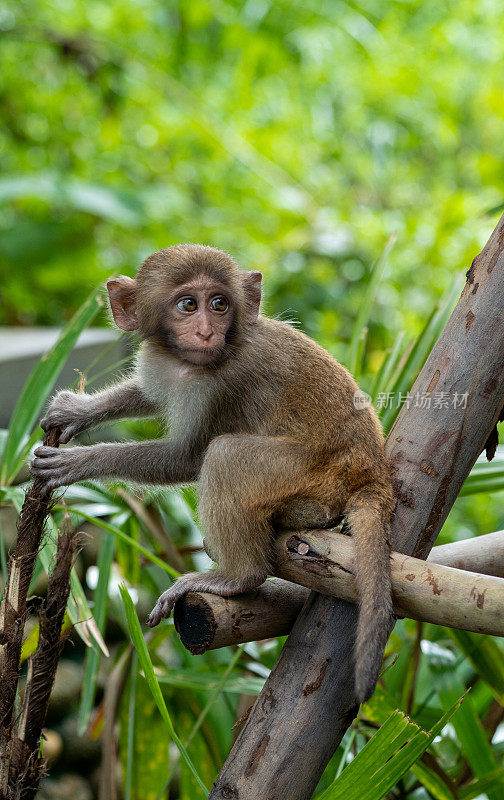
x,y
269,428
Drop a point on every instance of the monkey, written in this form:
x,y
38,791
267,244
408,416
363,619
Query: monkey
x,y
262,417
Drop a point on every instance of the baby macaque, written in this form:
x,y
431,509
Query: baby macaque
x,y
261,416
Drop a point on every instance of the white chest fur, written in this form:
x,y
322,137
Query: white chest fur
x,y
180,391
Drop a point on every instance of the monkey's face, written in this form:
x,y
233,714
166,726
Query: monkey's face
x,y
196,321
190,300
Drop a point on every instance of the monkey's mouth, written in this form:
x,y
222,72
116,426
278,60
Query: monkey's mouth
x,y
201,355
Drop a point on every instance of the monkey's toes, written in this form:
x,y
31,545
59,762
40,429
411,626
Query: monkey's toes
x,y
45,452
154,618
68,433
161,610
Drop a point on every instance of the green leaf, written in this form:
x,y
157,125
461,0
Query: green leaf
x,y
144,747
92,659
123,536
152,682
387,367
433,782
482,786
387,756
40,384
101,201
209,681
485,655
468,727
420,350
484,477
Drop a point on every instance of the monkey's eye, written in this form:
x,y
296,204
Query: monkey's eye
x,y
219,304
187,304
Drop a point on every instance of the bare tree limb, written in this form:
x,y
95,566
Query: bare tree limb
x,y
27,766
484,554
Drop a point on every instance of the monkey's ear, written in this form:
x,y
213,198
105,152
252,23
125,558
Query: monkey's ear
x,y
122,296
252,287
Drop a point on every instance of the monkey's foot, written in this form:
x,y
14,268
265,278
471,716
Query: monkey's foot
x,y
214,582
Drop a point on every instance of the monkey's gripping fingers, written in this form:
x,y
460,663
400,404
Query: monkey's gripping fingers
x,y
62,467
67,412
214,582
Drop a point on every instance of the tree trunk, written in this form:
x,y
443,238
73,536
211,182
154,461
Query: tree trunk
x,y
308,701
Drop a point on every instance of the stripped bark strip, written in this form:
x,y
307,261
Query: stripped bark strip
x,y
13,608
50,642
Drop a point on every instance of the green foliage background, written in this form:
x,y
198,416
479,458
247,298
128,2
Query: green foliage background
x,y
300,137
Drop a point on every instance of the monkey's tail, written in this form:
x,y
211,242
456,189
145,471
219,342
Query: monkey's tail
x,y
369,521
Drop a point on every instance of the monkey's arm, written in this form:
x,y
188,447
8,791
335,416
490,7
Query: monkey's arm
x,y
159,461
74,413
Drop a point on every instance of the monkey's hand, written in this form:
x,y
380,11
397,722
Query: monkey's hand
x,y
214,582
63,467
68,411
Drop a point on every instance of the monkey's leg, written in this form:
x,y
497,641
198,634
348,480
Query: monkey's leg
x,y
242,480
74,412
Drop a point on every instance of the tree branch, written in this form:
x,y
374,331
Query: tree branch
x,y
426,592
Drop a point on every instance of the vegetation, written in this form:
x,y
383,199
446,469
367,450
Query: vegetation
x,y
352,152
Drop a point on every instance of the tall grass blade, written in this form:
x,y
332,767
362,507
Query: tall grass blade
x,y
40,383
387,756
92,659
152,682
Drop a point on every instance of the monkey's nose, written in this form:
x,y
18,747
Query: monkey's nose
x,y
204,335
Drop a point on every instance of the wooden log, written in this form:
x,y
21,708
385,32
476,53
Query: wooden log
x,y
206,621
308,700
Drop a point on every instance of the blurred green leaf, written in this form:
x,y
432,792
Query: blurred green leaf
x,y
209,681
485,655
356,342
143,743
100,598
40,383
102,201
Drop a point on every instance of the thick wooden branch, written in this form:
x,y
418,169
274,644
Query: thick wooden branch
x,y
484,554
308,701
424,591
